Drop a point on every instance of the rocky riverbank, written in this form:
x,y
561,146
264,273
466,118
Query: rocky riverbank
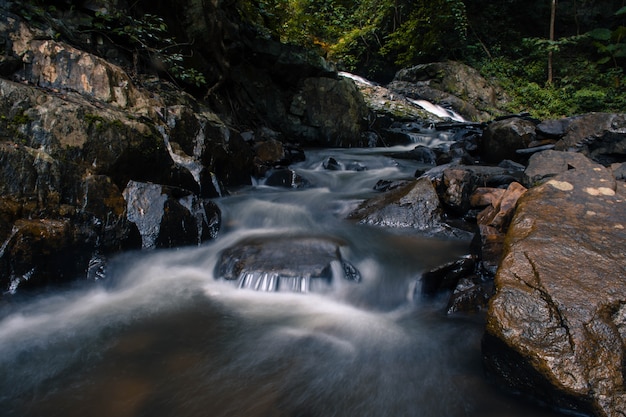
x,y
96,160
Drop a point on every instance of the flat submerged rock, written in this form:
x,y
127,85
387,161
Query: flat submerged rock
x,y
285,263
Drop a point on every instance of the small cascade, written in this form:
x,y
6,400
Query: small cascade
x,y
273,282
16,281
181,159
426,105
357,78
3,248
437,110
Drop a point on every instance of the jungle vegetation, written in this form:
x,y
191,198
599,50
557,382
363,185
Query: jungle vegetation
x,y
510,40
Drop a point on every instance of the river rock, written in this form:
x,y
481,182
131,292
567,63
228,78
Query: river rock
x,y
285,177
455,184
285,263
389,105
471,295
503,138
555,325
553,129
446,277
36,253
619,171
57,65
333,110
499,213
420,153
167,217
600,136
415,205
544,165
484,196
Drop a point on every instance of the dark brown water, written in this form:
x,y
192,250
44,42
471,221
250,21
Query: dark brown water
x,y
160,336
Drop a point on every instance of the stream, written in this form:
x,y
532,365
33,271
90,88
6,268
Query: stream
x,y
161,335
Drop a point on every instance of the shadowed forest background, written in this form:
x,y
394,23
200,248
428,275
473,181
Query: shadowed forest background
x,y
508,40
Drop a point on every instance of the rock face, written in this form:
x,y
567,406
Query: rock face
x,y
94,161
556,324
301,95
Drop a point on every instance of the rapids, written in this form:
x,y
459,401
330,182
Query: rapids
x,y
160,335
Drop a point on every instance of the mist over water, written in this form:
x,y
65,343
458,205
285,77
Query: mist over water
x,y
163,336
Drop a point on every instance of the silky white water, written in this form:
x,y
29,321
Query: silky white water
x,y
161,335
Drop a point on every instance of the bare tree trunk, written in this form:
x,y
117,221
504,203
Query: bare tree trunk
x,y
552,19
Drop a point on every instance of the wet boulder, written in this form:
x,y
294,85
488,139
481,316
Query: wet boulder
x,y
388,106
446,277
503,138
420,153
52,64
600,136
331,164
555,328
414,205
470,295
499,212
285,263
493,222
101,216
547,164
41,252
553,129
167,217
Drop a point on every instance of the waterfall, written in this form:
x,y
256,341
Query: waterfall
x,y
437,110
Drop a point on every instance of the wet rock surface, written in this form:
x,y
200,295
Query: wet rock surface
x,y
414,205
600,136
503,138
554,324
285,263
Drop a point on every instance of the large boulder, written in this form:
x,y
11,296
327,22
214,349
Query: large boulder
x,y
600,136
299,94
503,138
455,84
555,328
332,110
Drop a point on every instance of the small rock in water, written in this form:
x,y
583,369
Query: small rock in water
x,y
331,164
286,178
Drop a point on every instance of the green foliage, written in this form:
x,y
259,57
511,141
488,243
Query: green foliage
x,y
434,29
584,88
611,44
149,36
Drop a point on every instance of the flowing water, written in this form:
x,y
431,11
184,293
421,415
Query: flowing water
x,y
162,336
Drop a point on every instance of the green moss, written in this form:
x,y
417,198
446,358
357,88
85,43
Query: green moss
x,y
101,124
20,119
